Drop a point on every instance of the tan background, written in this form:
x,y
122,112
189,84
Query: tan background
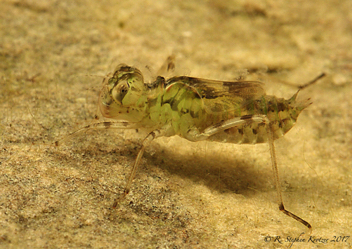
x,y
53,55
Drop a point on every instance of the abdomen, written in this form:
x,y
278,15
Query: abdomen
x,y
281,113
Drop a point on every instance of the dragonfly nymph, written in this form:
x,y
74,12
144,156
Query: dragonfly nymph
x,y
197,109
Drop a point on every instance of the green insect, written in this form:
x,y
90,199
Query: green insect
x,y
197,109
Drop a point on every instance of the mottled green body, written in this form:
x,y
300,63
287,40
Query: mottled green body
x,y
281,113
197,109
187,106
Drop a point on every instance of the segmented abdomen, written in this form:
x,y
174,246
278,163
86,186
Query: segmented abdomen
x,y
281,113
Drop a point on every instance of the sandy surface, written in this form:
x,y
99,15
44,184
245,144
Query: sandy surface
x,y
53,55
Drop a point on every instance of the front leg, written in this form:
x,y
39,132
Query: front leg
x,y
100,125
147,140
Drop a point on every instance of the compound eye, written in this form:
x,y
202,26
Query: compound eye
x,y
119,92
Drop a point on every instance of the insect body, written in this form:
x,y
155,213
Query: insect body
x,y
197,109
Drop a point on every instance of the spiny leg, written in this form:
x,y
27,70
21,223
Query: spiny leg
x,y
149,138
235,122
277,179
194,136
